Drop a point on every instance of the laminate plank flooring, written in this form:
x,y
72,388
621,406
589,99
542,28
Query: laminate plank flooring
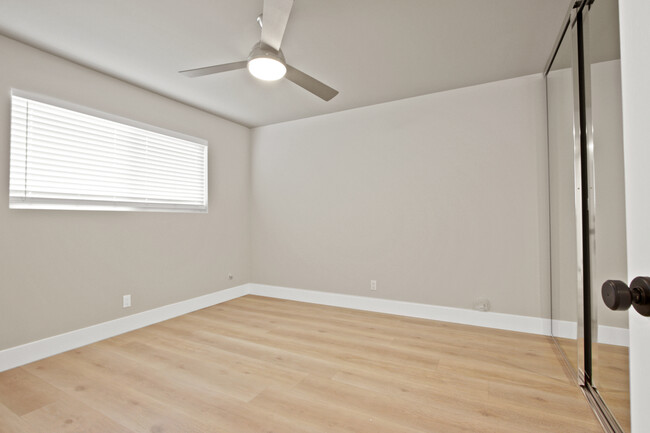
x,y
263,365
614,381
613,377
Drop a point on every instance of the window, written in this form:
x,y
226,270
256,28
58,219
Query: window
x,y
68,157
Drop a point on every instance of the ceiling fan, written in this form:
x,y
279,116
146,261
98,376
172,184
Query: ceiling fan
x,y
266,60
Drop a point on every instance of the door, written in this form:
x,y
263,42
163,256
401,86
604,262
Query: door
x,y
565,242
608,256
635,70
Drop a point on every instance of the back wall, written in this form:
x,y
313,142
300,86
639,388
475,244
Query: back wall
x,y
441,199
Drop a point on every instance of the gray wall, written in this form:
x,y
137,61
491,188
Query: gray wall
x,y
440,198
63,270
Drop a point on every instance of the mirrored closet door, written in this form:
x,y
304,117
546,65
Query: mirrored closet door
x,y
587,206
610,375
565,274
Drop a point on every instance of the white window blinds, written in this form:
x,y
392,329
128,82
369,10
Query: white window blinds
x,y
63,158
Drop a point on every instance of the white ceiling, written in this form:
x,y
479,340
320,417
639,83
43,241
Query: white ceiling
x,y
372,51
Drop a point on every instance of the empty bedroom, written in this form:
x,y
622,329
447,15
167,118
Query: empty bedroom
x,y
304,216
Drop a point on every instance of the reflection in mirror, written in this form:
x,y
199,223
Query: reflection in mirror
x,y
564,252
611,374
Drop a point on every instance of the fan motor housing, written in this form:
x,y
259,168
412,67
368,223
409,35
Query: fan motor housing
x,y
263,50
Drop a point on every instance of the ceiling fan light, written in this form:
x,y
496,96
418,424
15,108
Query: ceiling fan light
x,y
266,68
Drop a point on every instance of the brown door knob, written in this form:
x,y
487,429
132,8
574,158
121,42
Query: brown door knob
x,y
618,296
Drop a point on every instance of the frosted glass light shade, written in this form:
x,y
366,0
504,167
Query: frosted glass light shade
x,y
266,68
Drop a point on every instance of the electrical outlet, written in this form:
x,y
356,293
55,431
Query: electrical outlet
x,y
126,301
482,304
373,284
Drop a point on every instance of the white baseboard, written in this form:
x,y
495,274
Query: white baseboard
x,y
30,352
606,334
613,336
510,322
564,329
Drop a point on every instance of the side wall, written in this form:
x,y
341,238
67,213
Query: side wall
x,y
441,199
64,270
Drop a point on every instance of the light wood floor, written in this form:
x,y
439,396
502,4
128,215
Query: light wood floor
x,y
613,377
614,381
258,365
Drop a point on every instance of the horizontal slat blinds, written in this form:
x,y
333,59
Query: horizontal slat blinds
x,y
67,159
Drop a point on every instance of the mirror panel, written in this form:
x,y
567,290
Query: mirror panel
x,y
610,351
564,247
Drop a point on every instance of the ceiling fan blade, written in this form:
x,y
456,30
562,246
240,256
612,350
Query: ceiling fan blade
x,y
310,84
274,21
199,72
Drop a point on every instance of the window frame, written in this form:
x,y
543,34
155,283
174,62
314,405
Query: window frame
x,y
107,205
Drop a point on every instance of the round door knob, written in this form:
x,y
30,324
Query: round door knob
x,y
640,287
616,295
